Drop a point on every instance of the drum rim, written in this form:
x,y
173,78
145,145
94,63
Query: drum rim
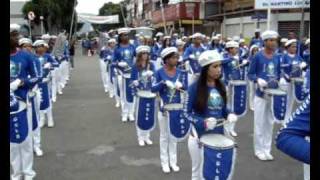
x,y
267,91
153,94
214,147
238,82
164,106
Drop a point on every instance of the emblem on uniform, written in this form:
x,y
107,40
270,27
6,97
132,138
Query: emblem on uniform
x,y
271,69
215,100
14,70
127,54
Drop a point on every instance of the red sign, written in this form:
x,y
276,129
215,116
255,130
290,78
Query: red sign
x,y
177,11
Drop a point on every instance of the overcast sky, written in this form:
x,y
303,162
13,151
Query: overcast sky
x,y
92,6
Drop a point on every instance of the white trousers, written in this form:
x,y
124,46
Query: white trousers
x,y
21,155
109,84
263,125
127,108
37,131
230,126
196,158
53,83
115,80
252,92
65,72
103,71
168,146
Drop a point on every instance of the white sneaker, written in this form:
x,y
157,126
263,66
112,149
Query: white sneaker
x,y
166,169
41,123
131,117
50,123
124,119
261,156
141,143
54,99
269,156
149,142
60,92
233,133
38,152
111,95
117,104
175,168
106,90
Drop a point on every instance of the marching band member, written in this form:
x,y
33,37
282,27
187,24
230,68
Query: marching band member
x,y
23,77
141,77
243,49
206,103
167,82
256,39
123,57
252,85
46,62
26,44
156,49
294,137
265,71
192,54
282,49
306,53
232,70
107,53
215,44
292,65
103,68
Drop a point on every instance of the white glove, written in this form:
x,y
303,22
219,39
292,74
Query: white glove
x,y
47,66
123,64
135,83
149,73
109,57
191,56
303,65
232,118
169,84
144,74
15,84
262,82
282,82
211,123
245,61
178,84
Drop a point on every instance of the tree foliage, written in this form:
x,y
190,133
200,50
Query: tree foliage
x,y
56,13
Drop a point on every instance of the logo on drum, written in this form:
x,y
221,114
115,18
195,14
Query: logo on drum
x,y
215,100
14,70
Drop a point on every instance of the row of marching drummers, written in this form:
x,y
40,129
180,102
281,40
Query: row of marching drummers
x,y
200,94
37,76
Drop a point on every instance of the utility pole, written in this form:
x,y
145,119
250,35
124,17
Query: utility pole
x,y
302,22
163,18
124,20
72,18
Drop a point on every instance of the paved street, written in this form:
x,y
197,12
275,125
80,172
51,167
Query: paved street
x,y
89,141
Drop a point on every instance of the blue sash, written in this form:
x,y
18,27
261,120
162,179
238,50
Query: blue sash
x,y
239,99
146,113
18,127
35,115
128,90
45,98
179,125
299,92
278,107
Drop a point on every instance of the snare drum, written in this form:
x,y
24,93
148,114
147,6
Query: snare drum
x,y
238,96
173,107
22,106
278,103
146,94
297,79
218,156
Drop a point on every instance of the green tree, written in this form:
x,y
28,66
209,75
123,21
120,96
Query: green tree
x,y
57,13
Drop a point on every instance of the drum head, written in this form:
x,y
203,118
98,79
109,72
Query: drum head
x,y
146,94
218,141
274,91
238,82
173,106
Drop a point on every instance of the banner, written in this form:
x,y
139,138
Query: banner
x,y
114,19
282,4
